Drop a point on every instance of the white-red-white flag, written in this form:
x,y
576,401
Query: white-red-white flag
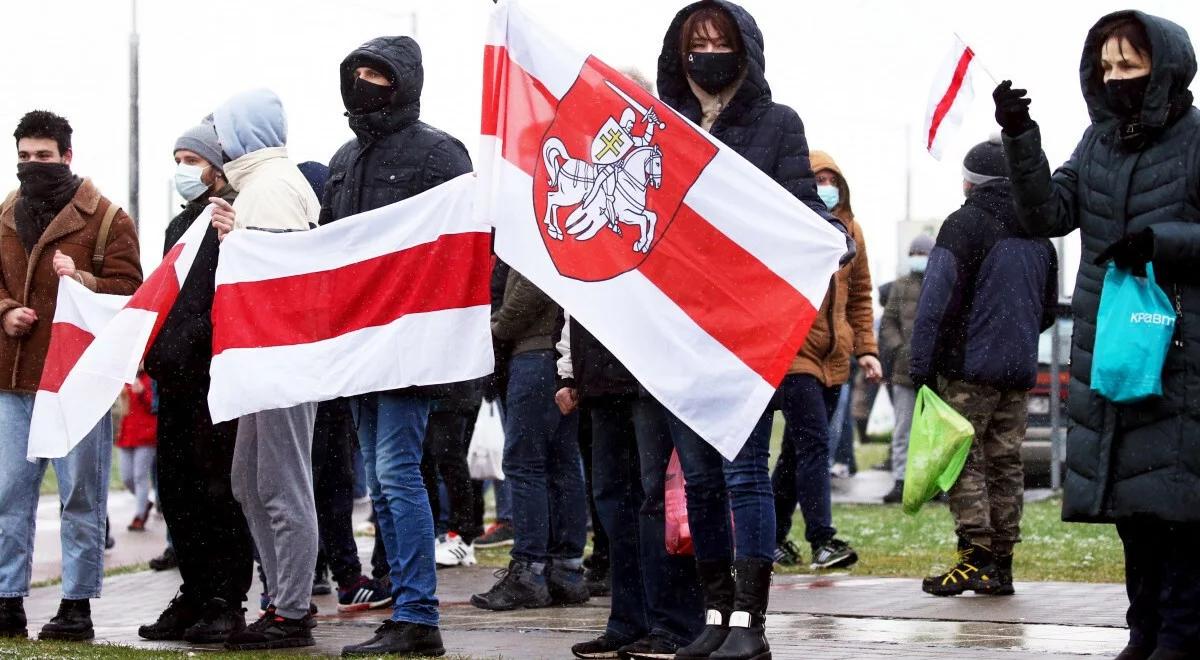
x,y
950,97
96,344
385,299
700,273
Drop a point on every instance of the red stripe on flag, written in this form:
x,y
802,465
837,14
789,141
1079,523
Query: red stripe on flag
x,y
947,102
687,260
67,344
159,292
449,273
749,310
520,119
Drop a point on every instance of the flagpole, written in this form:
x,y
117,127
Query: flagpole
x,y
978,60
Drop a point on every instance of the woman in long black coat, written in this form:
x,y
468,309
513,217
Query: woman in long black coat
x,y
1132,188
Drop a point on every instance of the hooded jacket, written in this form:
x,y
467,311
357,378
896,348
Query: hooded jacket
x,y
768,134
1140,459
989,292
272,193
845,324
394,155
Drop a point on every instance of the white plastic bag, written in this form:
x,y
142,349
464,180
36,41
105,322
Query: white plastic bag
x,y
882,419
485,457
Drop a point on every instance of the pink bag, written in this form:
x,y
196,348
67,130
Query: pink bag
x,y
679,536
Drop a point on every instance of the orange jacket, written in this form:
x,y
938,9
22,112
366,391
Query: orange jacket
x,y
845,324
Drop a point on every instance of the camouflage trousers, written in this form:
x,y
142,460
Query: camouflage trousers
x,y
988,499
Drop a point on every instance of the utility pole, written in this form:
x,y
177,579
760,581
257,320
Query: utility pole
x,y
1057,441
908,172
134,169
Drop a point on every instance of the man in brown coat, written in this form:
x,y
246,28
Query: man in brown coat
x,y
55,225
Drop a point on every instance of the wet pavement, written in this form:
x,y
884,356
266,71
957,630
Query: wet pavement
x,y
816,617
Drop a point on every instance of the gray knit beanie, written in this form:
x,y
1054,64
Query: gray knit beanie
x,y
922,244
202,140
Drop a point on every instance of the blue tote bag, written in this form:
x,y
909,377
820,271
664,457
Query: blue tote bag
x,y
1133,332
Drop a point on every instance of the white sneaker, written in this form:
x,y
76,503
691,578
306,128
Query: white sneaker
x,y
451,551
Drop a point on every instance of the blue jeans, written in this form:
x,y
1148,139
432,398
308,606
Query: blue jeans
x,y
82,493
391,432
748,479
542,465
802,472
674,600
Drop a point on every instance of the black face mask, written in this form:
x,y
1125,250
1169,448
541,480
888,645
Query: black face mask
x,y
1125,97
44,181
365,98
713,72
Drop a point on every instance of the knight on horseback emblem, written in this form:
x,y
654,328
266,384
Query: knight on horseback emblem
x,y
610,187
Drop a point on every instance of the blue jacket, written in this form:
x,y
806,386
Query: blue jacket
x,y
989,292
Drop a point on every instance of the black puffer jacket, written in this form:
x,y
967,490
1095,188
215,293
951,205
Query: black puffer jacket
x,y
394,156
1139,459
182,352
768,134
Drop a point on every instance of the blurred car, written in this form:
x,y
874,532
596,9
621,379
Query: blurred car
x,y
1035,452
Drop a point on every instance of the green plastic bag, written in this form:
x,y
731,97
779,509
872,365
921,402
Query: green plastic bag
x,y
937,450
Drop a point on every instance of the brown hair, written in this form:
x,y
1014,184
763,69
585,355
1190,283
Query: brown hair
x,y
721,21
1124,29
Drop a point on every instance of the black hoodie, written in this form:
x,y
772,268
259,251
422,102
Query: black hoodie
x,y
394,154
768,134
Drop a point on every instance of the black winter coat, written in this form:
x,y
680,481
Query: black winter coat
x,y
182,352
989,292
597,372
1140,459
768,134
394,156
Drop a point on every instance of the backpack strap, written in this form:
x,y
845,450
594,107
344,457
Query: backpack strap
x,y
102,237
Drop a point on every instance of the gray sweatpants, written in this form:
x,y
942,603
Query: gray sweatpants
x,y
272,480
906,400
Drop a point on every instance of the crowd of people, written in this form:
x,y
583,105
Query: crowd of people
x,y
585,445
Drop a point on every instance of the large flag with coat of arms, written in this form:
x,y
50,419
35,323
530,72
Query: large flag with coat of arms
x,y
699,273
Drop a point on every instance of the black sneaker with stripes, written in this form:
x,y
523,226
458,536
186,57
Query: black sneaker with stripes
x,y
364,594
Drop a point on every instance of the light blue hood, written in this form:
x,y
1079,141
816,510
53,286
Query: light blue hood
x,y
250,121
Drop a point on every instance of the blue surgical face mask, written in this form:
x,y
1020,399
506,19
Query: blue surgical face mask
x,y
917,263
830,195
188,181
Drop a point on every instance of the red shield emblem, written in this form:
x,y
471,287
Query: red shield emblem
x,y
615,165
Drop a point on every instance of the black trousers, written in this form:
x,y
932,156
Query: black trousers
x,y
1162,578
599,559
206,524
447,438
333,485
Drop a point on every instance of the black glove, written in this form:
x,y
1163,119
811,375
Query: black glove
x,y
850,253
1131,252
1012,109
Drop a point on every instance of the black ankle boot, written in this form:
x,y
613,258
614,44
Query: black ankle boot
x,y
12,618
72,623
747,638
716,577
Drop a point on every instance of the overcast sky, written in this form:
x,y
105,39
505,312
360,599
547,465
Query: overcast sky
x,y
857,71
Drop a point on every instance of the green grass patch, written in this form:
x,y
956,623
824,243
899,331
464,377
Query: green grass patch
x,y
891,543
